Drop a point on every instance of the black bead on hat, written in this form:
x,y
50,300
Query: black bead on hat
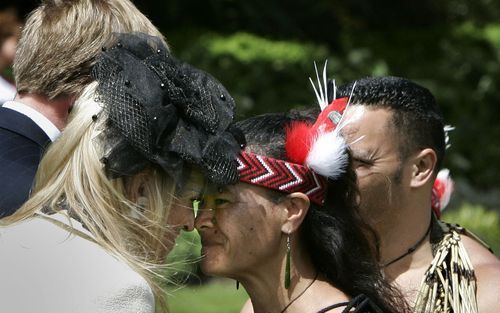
x,y
165,112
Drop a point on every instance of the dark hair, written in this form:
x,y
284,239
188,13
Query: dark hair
x,y
416,116
334,234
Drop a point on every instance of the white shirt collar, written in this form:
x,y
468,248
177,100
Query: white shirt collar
x,y
38,118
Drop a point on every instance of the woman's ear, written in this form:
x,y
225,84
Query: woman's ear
x,y
135,186
296,205
423,168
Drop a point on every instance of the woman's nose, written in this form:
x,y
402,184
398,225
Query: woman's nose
x,y
204,219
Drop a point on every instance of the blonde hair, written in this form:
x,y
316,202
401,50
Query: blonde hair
x,y
71,176
61,40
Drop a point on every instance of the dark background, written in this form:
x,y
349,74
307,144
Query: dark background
x,y
263,51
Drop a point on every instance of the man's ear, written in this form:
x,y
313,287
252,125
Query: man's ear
x,y
423,168
296,205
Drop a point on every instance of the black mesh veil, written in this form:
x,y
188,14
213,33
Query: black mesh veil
x,y
165,112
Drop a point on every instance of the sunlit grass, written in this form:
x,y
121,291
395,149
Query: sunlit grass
x,y
482,222
218,296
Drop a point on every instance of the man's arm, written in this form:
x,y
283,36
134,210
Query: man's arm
x,y
487,269
488,288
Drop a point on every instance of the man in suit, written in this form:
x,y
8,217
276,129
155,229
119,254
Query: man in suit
x,y
22,141
56,51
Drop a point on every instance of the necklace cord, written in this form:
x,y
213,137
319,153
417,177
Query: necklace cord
x,y
411,249
300,294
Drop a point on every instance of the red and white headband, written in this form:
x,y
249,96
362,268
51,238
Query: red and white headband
x,y
316,152
281,175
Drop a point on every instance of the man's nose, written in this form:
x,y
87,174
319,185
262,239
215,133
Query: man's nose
x,y
188,221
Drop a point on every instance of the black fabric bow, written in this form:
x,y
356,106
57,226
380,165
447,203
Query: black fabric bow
x,y
165,112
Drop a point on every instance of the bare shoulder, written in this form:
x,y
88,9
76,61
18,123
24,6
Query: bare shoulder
x,y
488,287
478,254
487,269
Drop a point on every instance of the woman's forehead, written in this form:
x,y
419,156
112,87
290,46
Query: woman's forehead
x,y
196,182
213,189
239,190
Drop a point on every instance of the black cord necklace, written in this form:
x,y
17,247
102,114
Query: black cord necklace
x,y
410,250
300,294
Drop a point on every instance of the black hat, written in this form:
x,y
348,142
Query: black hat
x,y
165,112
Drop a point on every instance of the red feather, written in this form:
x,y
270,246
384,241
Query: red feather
x,y
300,135
298,141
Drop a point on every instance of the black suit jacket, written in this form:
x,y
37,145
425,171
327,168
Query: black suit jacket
x,y
22,143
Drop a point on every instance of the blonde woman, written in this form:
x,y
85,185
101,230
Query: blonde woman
x,y
110,194
60,42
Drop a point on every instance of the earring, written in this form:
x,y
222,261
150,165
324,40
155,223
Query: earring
x,y
237,284
287,266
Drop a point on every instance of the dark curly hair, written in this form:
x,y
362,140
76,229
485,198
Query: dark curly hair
x,y
416,116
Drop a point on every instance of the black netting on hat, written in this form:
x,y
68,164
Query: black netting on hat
x,y
124,111
164,112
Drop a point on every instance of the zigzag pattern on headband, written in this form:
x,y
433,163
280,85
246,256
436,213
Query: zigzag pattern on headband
x,y
281,175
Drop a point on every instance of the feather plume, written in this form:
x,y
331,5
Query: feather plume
x,y
328,155
447,129
322,90
298,141
443,186
355,113
326,150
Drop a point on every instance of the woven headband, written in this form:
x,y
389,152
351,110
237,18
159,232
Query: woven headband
x,y
316,152
281,176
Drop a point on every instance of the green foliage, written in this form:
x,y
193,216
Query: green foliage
x,y
262,75
492,34
482,222
8,74
248,48
265,75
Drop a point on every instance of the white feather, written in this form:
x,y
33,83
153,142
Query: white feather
x,y
354,114
322,89
325,94
316,92
334,89
328,155
352,91
322,99
447,129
